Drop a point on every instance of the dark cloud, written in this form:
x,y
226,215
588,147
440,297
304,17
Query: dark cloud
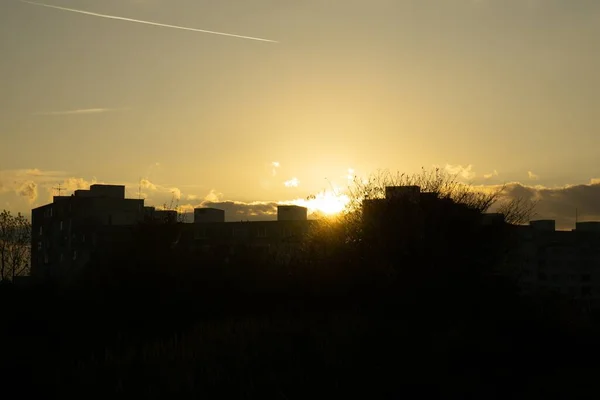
x,y
236,211
561,203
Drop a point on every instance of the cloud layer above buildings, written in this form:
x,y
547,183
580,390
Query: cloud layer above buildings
x,y
26,188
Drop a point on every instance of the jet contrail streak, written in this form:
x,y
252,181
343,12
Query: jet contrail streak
x,y
146,22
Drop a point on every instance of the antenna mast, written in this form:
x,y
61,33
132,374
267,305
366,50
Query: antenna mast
x,y
59,189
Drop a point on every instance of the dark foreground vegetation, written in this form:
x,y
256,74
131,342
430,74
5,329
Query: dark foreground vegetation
x,y
414,306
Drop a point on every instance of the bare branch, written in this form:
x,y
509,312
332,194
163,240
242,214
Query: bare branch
x,y
15,245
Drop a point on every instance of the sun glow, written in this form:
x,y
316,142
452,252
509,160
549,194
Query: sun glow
x,y
326,202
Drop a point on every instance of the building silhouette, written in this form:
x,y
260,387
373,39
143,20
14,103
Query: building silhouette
x,y
542,258
66,232
72,230
211,234
152,215
564,262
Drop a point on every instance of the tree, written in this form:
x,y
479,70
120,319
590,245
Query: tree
x,y
15,245
517,211
439,237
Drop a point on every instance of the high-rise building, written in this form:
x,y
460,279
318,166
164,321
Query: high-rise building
x,y
67,232
565,262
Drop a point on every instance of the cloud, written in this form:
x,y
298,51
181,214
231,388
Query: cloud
x,y
79,111
294,182
32,173
146,184
326,202
28,183
28,190
252,211
155,193
39,173
464,172
490,175
213,196
350,175
237,210
532,176
139,21
274,166
67,185
72,184
560,203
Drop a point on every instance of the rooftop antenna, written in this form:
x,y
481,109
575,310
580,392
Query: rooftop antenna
x,y
140,190
59,189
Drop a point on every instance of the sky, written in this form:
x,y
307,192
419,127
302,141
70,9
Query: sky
x,y
496,91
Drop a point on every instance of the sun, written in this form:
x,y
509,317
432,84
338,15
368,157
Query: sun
x,y
326,202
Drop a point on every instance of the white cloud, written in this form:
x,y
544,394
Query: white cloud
x,y
156,193
213,196
67,185
28,183
294,182
464,172
491,174
351,174
39,173
274,166
38,187
532,176
72,184
146,184
28,190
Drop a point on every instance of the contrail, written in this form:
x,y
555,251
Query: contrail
x,y
78,111
147,22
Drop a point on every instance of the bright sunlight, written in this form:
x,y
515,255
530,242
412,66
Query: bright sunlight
x,y
327,202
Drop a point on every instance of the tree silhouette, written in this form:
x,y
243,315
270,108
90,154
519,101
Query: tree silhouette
x,y
436,242
15,245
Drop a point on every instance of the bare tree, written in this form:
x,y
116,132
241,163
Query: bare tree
x,y
517,211
15,245
349,228
443,185
436,181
